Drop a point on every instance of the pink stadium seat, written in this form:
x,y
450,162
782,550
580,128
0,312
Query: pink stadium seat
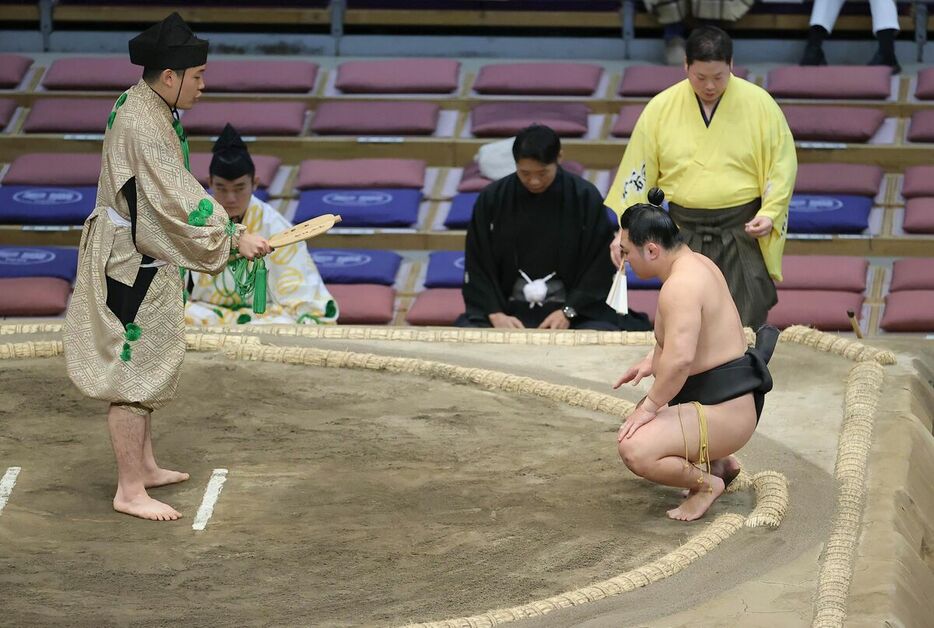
x,y
436,306
399,76
824,272
873,82
375,118
919,181
266,167
823,309
913,274
644,301
363,304
626,121
909,310
833,124
260,76
249,118
33,296
541,79
925,88
921,128
54,169
13,69
68,115
361,173
831,178
502,119
92,73
649,80
473,181
919,215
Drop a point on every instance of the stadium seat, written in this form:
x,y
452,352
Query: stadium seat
x,y
13,70
909,311
69,115
363,304
398,76
361,173
538,79
833,124
436,306
503,119
873,82
249,118
648,80
375,118
357,266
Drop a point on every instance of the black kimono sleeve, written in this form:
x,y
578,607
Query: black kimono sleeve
x,y
595,269
482,292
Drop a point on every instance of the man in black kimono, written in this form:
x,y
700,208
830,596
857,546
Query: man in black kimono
x,y
535,248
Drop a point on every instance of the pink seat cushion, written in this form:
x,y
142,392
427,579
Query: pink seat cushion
x,y
375,118
54,169
473,181
922,126
266,167
909,310
649,80
12,69
824,272
626,120
399,76
919,215
363,303
527,79
833,124
925,88
7,109
436,306
33,296
823,309
645,301
92,73
870,82
361,173
919,181
913,274
249,118
859,179
260,76
508,118
68,115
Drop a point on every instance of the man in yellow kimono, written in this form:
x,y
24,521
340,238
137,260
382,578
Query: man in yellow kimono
x,y
296,292
721,150
124,332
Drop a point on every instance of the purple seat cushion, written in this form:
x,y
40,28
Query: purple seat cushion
x,y
824,272
919,181
645,301
919,215
266,167
361,173
626,120
544,79
68,115
260,76
375,118
12,69
925,87
363,304
92,73
922,126
503,119
436,306
54,169
473,181
909,310
871,82
249,118
649,80
7,109
823,309
858,179
913,274
833,124
399,76
33,296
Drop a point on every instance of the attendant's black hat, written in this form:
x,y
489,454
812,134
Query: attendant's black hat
x,y
231,158
169,44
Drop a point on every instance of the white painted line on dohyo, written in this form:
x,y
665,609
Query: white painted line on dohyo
x,y
211,494
6,485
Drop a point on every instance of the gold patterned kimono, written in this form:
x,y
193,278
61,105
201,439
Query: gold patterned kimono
x,y
128,349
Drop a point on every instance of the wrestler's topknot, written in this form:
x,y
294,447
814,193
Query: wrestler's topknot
x,y
656,196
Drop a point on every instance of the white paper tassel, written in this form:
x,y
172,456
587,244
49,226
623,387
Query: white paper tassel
x,y
618,299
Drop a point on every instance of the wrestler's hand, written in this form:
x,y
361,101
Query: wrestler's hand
x,y
253,246
616,254
635,373
556,320
639,417
504,321
759,226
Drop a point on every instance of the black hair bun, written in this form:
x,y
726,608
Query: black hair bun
x,y
656,196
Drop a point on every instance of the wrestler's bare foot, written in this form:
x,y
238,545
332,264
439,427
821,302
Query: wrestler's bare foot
x,y
145,507
724,468
697,503
162,477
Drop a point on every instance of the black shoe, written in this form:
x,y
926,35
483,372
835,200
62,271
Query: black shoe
x,y
880,59
813,55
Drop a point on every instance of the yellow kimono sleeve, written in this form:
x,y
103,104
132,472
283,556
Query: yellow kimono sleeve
x,y
638,170
777,181
296,285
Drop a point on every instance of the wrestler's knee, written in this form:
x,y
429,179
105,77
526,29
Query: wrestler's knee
x,y
634,456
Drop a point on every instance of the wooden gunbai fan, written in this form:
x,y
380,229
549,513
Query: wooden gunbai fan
x,y
304,231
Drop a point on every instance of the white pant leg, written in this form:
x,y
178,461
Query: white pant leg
x,y
825,13
884,15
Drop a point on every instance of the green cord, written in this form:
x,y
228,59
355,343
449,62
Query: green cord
x,y
250,281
